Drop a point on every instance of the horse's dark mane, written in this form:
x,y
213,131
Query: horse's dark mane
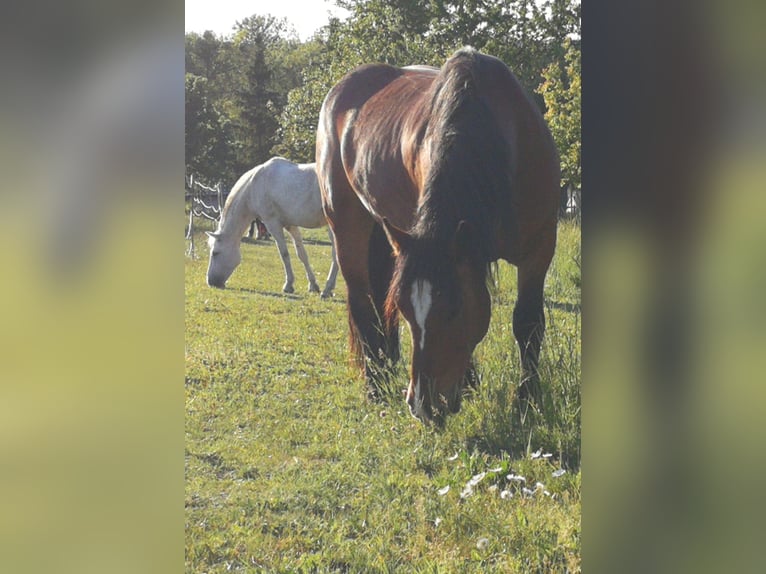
x,y
469,159
468,176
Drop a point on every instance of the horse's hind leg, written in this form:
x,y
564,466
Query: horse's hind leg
x,y
356,244
300,250
279,237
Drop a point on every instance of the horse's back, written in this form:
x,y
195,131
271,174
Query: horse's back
x,y
287,193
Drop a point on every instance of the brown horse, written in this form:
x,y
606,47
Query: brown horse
x,y
428,177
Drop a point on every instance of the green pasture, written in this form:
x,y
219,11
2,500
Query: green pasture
x,y
289,468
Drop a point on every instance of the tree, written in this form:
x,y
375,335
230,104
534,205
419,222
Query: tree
x,y
207,146
376,31
267,87
202,54
247,78
562,94
526,34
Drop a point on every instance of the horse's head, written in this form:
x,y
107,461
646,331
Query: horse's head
x,y
224,258
440,289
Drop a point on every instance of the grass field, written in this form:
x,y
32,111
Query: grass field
x,y
289,468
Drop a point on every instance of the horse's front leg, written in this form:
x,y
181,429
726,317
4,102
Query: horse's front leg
x,y
279,236
300,250
332,276
529,327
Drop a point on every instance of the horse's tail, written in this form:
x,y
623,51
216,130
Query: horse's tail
x,y
381,270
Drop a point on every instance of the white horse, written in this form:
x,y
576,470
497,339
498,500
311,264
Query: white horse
x,y
283,195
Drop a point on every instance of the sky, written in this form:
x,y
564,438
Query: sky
x,y
220,15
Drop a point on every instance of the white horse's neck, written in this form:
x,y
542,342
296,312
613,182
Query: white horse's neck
x,y
237,214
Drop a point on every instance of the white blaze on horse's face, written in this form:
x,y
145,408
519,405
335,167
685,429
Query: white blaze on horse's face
x,y
421,306
421,297
224,258
416,402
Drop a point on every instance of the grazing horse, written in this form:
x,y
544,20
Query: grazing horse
x,y
283,195
428,177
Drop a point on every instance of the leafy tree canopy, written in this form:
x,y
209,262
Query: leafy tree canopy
x,y
264,87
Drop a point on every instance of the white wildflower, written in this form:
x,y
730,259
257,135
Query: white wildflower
x,y
515,478
443,491
537,454
482,543
506,494
558,473
453,457
477,478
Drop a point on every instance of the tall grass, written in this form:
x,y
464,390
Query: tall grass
x,y
289,468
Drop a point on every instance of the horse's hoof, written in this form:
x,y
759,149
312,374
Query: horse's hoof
x,y
326,294
288,289
313,288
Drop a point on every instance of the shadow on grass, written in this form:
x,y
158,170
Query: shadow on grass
x,y
336,299
279,295
260,242
498,423
567,307
325,242
270,241
216,463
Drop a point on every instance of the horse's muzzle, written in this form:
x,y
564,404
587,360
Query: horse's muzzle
x,y
423,406
217,283
419,399
416,402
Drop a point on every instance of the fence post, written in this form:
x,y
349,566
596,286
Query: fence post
x,y
190,234
190,230
198,192
220,200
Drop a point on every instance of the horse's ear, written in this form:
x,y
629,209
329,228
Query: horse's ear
x,y
463,240
398,238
